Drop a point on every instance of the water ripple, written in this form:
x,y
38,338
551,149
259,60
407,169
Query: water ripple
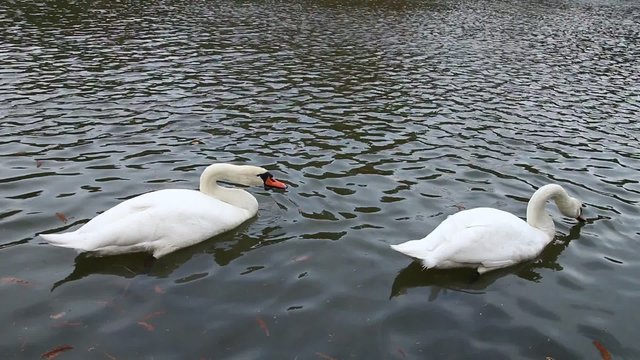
x,y
383,117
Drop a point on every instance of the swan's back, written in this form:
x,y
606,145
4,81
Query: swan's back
x,y
160,222
175,201
480,237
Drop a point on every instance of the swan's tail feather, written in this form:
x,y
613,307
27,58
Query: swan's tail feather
x,y
411,248
416,250
71,240
398,248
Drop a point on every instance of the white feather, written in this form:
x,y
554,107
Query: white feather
x,y
163,221
488,239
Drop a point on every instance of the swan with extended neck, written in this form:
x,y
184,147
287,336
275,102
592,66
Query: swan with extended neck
x,y
489,239
164,221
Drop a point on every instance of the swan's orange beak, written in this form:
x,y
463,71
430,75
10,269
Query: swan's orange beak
x,y
271,182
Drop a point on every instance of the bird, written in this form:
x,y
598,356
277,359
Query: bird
x,y
163,221
487,239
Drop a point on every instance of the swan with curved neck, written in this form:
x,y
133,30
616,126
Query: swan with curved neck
x,y
164,221
489,239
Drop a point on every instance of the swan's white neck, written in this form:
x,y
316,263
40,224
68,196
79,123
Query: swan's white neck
x,y
235,197
536,213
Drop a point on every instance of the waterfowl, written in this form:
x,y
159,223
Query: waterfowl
x,y
164,221
489,239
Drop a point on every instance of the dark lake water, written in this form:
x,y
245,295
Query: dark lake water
x,y
383,117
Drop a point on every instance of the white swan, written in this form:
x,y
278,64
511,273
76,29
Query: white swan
x,y
489,239
164,221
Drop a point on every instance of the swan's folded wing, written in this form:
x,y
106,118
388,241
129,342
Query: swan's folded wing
x,y
153,228
439,245
495,243
121,211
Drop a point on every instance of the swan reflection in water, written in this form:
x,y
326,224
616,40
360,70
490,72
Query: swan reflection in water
x,y
467,279
224,248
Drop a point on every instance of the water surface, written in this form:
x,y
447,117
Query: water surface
x,y
383,117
